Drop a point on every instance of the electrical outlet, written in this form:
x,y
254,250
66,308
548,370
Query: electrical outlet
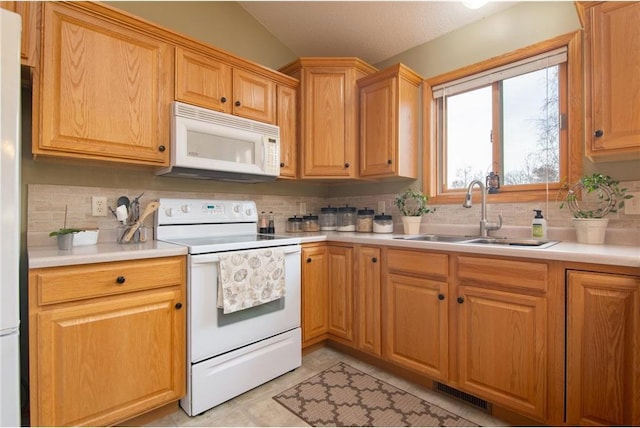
x,y
99,206
632,206
303,208
381,207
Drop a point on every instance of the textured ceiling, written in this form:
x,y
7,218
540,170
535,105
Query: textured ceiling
x,y
371,30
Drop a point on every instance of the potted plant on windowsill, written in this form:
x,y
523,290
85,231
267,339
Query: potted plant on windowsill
x,y
412,205
590,199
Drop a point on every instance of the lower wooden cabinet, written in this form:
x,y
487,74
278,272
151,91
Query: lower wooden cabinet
x,y
340,285
603,349
416,313
107,341
368,294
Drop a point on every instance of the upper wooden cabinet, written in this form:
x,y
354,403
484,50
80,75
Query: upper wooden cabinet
x,y
207,82
612,61
603,349
389,119
328,119
30,14
106,89
287,121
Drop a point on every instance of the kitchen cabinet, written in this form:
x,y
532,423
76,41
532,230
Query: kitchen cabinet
x,y
107,341
340,285
315,294
106,87
612,43
603,349
416,315
286,120
30,14
368,294
205,81
501,318
389,123
328,119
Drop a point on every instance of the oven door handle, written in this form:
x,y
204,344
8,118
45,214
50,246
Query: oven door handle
x,y
214,257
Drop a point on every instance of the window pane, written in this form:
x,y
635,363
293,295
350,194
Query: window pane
x,y
468,137
531,128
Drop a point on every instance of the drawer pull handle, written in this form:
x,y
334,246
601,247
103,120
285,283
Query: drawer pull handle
x,y
440,296
120,279
238,103
460,299
178,305
374,259
162,148
223,99
309,260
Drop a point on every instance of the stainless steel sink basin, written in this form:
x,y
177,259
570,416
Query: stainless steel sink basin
x,y
515,242
435,238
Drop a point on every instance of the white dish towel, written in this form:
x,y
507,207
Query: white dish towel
x,y
250,278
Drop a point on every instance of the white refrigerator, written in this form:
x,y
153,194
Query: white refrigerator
x,y
10,30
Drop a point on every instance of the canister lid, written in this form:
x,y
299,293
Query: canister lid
x,y
328,210
295,219
382,216
310,217
365,211
347,209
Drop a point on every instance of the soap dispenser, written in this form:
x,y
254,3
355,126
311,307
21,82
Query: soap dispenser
x,y
539,226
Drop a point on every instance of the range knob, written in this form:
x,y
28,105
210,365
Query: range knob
x,y
248,212
237,209
185,208
169,212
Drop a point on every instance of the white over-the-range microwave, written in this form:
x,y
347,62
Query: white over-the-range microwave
x,y
211,145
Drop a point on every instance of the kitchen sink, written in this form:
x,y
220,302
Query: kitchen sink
x,y
436,238
515,242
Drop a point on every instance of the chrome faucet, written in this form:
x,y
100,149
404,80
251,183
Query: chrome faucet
x,y
485,226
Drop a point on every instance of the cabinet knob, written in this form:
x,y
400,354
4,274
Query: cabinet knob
x,y
347,165
162,148
178,305
389,162
223,99
460,299
120,279
281,164
308,259
440,296
238,104
374,260
598,133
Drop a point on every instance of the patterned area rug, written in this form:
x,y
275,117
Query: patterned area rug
x,y
344,396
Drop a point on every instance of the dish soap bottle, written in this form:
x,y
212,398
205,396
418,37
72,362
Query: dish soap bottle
x,y
539,226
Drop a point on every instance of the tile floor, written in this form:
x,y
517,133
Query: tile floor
x,y
257,407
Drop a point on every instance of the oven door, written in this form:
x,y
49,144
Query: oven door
x,y
211,333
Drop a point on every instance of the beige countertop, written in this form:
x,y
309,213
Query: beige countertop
x,y
617,255
50,256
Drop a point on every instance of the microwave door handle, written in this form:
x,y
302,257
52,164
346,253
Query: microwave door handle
x,y
264,153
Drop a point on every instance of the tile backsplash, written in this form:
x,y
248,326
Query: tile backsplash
x,y
46,210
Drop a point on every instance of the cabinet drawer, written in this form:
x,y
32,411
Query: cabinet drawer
x,y
418,262
68,283
507,273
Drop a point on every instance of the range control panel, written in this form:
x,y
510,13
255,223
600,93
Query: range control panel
x,y
201,211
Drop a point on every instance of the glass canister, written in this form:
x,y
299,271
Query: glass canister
x,y
382,223
364,222
346,219
294,224
310,223
328,218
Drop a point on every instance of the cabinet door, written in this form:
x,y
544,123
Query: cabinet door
x,y
315,294
102,362
29,12
106,90
368,294
603,349
254,96
416,324
378,119
340,276
203,81
502,348
613,80
287,121
329,123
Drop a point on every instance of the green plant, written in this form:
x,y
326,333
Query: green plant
x,y
65,231
413,203
594,196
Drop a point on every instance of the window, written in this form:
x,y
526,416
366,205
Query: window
x,y
509,117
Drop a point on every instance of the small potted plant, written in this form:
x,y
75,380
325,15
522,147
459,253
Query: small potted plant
x,y
412,205
64,235
590,199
